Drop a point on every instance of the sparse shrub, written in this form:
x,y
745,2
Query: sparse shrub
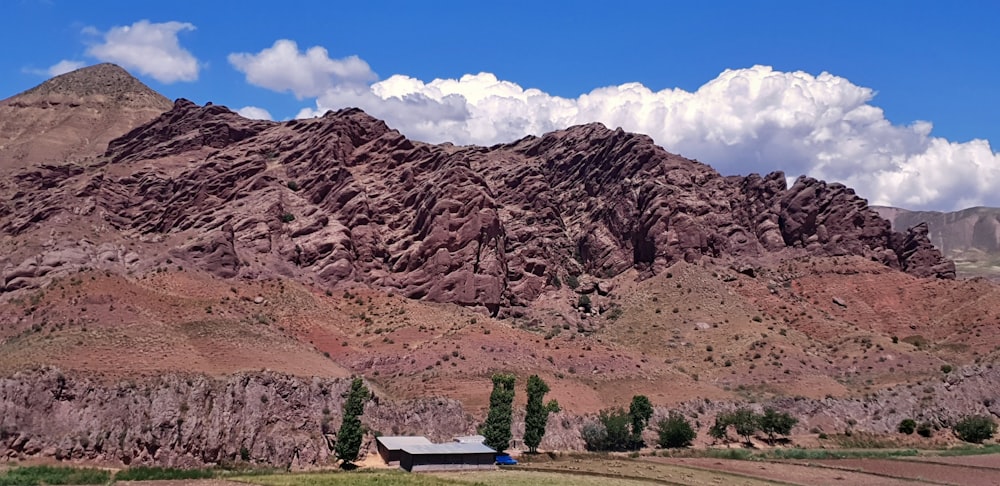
x,y
925,430
675,431
946,368
584,303
572,282
975,429
287,217
293,185
907,426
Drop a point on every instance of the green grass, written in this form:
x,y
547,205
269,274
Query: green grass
x,y
837,454
37,475
160,473
968,450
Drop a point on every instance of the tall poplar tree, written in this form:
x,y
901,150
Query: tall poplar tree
x,y
496,429
536,413
350,434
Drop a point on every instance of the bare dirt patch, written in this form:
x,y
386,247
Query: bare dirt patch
x,y
783,472
940,473
991,461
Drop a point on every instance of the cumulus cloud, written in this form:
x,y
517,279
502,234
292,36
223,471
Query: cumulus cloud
x,y
308,74
150,48
63,67
745,120
255,113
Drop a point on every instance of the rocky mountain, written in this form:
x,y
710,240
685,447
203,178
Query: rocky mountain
x,y
74,115
971,236
344,198
212,280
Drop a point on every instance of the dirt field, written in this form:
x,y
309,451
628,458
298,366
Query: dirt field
x,y
783,472
991,461
921,471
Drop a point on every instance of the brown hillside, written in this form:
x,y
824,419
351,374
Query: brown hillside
x,y
74,115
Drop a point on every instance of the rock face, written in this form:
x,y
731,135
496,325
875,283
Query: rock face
x,y
189,421
74,116
282,421
345,198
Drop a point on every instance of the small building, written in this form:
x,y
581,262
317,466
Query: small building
x,y
447,457
390,447
470,439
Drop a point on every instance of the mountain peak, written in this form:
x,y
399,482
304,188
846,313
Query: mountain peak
x,y
107,80
74,115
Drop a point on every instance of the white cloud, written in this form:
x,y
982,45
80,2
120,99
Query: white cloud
x,y
63,67
255,113
745,120
152,49
282,67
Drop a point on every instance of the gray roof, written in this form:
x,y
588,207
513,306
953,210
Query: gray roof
x,y
472,439
397,442
448,448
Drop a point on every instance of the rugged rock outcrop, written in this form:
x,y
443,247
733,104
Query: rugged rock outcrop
x,y
278,420
187,421
345,198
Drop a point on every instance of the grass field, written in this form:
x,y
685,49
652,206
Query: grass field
x,y
483,478
34,475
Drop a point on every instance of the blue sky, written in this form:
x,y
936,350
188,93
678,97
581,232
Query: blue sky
x,y
920,61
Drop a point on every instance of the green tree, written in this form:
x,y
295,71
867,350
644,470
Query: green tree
x,y
496,429
639,413
536,413
718,430
907,426
675,431
595,436
616,425
975,429
745,422
775,423
350,434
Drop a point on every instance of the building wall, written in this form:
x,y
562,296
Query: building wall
x,y
446,462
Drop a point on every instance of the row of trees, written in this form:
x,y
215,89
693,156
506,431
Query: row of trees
x,y
496,428
746,423
617,429
973,428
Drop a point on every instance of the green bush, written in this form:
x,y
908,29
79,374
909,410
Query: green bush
x,y
975,429
584,303
33,475
675,431
907,426
293,185
287,217
924,430
572,281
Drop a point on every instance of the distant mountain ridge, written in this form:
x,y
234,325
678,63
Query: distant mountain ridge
x,y
970,236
